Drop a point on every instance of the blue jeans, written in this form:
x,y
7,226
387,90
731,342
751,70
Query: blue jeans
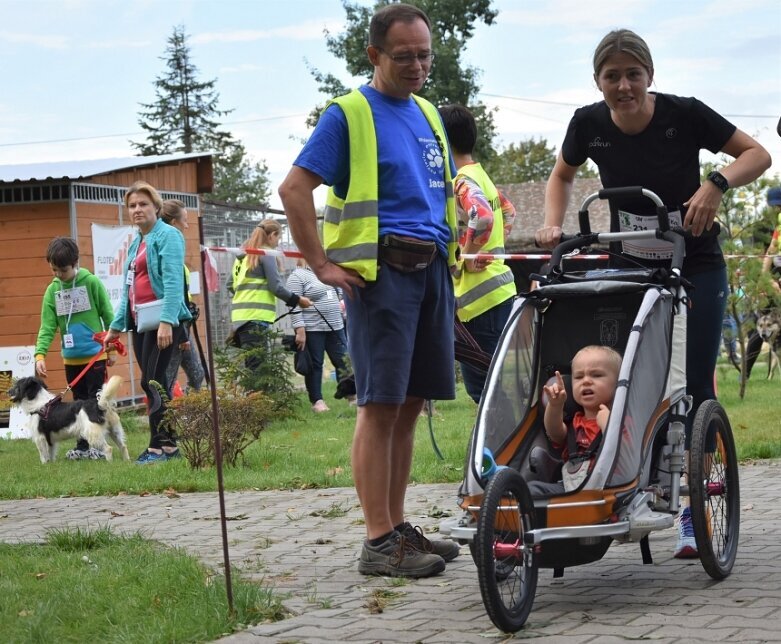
x,y
486,329
318,343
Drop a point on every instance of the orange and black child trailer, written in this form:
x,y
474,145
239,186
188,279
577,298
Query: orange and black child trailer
x,y
634,484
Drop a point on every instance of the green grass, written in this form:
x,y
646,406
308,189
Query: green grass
x,y
755,418
313,450
66,591
310,450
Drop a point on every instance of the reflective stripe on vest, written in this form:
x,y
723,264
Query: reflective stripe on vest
x,y
350,225
252,299
477,293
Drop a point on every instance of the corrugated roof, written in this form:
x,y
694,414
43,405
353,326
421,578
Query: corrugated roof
x,y
76,170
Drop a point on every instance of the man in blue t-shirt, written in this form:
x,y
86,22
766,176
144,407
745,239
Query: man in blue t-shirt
x,y
389,232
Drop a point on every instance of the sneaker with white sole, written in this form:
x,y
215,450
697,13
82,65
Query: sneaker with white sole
x,y
396,557
445,548
319,407
686,548
148,458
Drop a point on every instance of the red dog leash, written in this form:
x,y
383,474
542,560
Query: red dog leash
x,y
116,344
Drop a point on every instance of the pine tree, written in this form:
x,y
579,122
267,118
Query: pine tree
x,y
185,117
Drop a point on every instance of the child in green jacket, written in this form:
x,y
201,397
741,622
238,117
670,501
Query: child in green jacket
x,y
77,305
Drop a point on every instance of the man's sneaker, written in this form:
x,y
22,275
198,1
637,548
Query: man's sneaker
x,y
396,557
686,548
445,548
148,457
77,454
169,456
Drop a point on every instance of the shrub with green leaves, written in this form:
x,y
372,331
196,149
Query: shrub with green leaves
x,y
241,418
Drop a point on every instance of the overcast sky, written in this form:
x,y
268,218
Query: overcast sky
x,y
76,70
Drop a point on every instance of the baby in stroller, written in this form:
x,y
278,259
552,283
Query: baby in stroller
x,y
594,377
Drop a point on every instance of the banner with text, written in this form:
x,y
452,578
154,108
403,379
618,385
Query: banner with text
x,y
109,247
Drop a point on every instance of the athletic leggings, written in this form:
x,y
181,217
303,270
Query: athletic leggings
x,y
708,301
153,364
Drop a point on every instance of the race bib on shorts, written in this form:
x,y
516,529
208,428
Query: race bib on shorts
x,y
646,248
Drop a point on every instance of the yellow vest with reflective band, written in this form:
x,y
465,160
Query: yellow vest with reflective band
x,y
350,227
252,299
476,293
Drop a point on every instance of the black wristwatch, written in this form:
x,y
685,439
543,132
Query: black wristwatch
x,y
719,180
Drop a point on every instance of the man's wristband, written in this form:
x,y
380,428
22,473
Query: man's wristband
x,y
719,180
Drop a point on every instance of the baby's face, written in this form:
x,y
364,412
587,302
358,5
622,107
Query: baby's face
x,y
594,379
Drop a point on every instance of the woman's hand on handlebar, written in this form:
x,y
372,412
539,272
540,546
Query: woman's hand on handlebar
x,y
702,208
548,236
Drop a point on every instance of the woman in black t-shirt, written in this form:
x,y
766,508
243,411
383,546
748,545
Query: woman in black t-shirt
x,y
642,138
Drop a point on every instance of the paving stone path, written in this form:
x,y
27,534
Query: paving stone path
x,y
305,544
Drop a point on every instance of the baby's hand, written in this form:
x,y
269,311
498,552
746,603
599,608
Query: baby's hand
x,y
602,416
557,392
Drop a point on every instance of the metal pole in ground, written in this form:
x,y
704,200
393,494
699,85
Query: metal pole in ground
x,y
215,420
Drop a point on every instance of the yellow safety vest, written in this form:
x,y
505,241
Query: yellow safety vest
x,y
252,299
476,293
350,226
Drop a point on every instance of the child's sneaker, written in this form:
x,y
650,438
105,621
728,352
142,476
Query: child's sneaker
x,y
396,557
445,548
77,454
95,454
686,548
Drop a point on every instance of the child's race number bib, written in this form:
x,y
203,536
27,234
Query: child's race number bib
x,y
74,300
646,248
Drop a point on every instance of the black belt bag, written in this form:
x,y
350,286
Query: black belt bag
x,y
406,254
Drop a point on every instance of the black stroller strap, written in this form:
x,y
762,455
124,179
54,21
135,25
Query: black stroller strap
x,y
577,455
467,350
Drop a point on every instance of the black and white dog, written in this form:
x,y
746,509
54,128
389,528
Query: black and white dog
x,y
769,329
54,421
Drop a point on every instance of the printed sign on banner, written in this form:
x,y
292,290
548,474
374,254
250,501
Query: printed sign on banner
x,y
109,246
15,362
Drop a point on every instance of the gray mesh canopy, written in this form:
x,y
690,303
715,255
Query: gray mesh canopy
x,y
545,330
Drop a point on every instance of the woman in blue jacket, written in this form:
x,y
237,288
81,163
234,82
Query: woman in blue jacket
x,y
153,273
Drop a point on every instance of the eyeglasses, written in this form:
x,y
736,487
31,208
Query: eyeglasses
x,y
409,59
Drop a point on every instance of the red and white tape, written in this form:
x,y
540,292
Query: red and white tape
x,y
238,250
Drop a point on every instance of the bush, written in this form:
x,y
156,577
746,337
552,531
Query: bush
x,y
248,398
241,418
271,372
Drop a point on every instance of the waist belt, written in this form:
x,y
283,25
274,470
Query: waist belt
x,y
406,254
